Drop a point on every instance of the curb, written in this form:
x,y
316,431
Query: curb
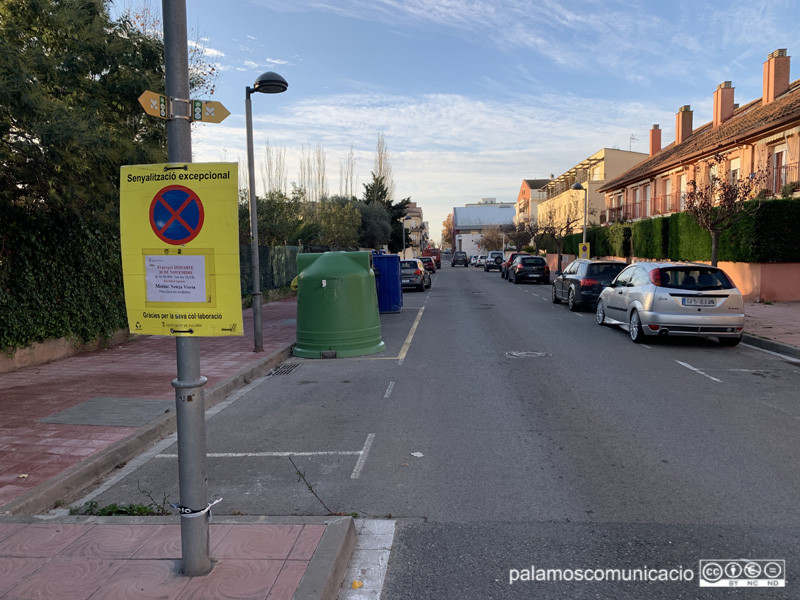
x,y
73,482
325,573
771,345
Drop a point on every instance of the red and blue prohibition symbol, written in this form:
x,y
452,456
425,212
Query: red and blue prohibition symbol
x,y
176,215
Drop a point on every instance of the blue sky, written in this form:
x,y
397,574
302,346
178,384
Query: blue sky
x,y
473,96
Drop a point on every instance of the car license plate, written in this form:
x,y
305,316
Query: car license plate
x,y
699,302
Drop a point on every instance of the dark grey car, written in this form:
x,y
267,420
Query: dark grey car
x,y
459,258
414,274
582,281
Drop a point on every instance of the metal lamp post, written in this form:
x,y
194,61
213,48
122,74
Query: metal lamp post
x,y
404,235
578,186
267,83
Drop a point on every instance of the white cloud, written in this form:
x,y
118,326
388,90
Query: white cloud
x,y
445,150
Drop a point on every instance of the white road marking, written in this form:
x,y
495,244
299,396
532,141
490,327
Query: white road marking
x,y
696,370
389,389
410,337
363,458
270,454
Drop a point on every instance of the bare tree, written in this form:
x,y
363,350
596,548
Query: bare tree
x,y
347,171
720,200
491,239
383,167
559,224
313,179
274,169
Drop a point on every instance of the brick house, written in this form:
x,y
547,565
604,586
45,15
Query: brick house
x,y
762,135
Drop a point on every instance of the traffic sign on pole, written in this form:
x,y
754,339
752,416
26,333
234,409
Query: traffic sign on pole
x,y
209,111
154,104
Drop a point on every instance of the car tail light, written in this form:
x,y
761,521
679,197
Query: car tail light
x,y
588,282
547,270
520,267
654,327
418,272
655,277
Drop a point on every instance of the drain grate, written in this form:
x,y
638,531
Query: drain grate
x,y
284,369
524,354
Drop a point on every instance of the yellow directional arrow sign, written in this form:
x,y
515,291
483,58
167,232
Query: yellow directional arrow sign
x,y
154,104
208,111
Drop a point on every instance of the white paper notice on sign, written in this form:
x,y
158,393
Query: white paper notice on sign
x,y
179,278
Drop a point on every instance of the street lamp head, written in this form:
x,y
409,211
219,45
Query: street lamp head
x,y
270,83
576,186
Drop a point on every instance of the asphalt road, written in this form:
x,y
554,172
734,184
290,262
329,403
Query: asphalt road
x,y
506,432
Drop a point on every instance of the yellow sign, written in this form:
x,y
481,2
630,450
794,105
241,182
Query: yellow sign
x,y
583,250
209,111
179,226
154,104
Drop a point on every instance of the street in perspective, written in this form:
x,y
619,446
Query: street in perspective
x,y
222,379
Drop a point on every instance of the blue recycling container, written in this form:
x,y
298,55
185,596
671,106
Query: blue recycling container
x,y
388,283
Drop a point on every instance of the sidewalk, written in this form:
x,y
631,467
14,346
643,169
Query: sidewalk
x,y
66,424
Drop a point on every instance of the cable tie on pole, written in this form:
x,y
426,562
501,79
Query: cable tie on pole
x,y
191,513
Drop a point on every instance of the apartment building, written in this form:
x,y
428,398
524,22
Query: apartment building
x,y
562,201
531,192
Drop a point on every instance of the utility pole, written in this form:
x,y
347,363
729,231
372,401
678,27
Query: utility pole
x,y
189,393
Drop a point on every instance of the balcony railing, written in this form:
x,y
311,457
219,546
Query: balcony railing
x,y
665,204
779,177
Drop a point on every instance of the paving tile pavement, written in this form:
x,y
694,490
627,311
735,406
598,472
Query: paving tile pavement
x,y
57,415
140,557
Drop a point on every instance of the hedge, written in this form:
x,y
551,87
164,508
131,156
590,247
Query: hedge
x,y
772,234
61,276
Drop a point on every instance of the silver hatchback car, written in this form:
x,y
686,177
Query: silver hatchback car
x,y
651,299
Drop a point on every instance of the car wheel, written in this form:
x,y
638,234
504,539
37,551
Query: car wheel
x,y
485,268
554,295
573,306
600,313
730,341
421,287
635,328
515,281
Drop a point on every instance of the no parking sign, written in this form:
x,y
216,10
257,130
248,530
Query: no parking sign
x,y
179,226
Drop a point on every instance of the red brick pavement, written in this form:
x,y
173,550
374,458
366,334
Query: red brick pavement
x,y
32,452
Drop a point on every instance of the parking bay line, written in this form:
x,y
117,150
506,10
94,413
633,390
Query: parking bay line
x,y
696,370
362,455
410,337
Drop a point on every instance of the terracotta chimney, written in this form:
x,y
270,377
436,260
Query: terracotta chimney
x,y
655,140
723,103
776,75
683,123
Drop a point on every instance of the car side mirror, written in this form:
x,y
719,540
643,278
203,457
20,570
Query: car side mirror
x,y
558,273
606,283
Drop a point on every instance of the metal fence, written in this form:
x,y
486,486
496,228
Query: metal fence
x,y
278,266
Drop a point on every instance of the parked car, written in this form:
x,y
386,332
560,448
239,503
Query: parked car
x,y
459,258
493,260
529,268
481,262
430,263
414,274
582,281
472,259
650,299
507,263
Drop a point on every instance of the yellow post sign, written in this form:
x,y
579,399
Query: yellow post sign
x,y
209,111
180,249
583,250
154,104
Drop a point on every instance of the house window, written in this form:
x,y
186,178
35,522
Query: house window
x,y
734,172
778,168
